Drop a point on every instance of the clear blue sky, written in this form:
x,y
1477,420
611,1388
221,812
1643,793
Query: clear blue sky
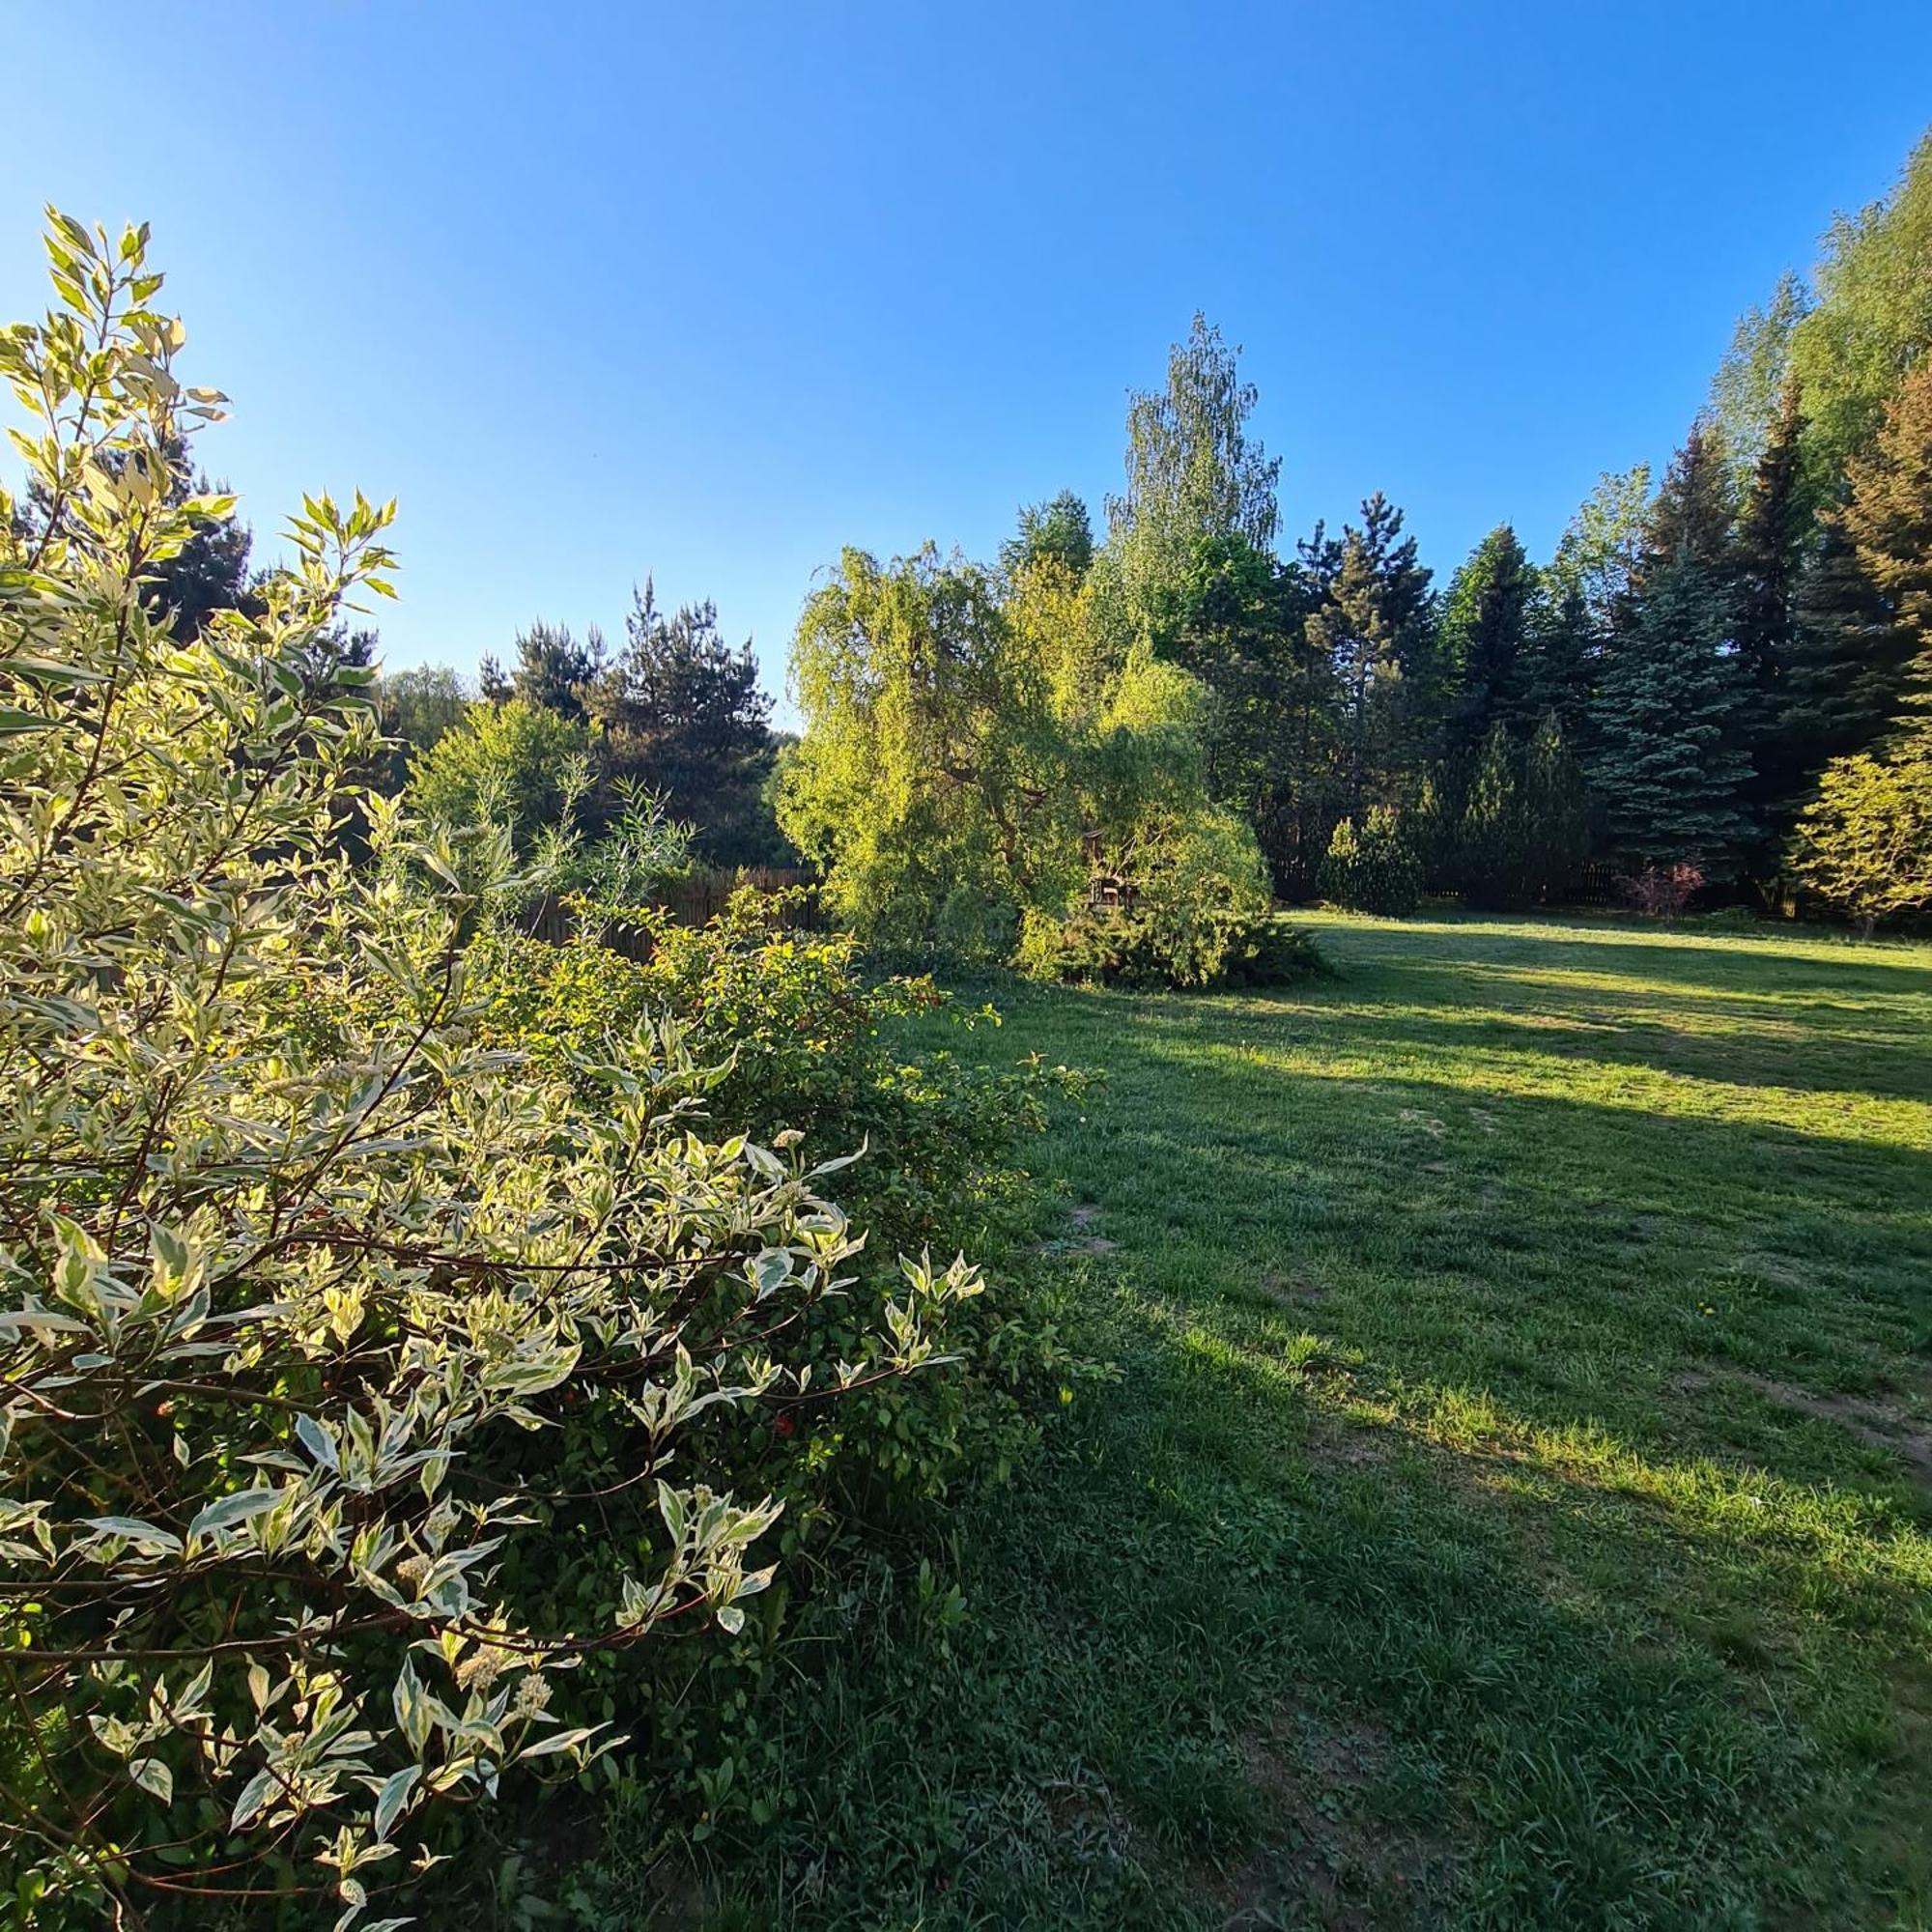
x,y
711,291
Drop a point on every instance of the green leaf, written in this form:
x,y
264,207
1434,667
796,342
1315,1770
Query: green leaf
x,y
393,1795
558,1742
254,1795
317,1440
227,1512
135,1530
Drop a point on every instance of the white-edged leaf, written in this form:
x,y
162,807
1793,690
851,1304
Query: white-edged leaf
x,y
315,1438
135,1530
226,1512
558,1742
393,1795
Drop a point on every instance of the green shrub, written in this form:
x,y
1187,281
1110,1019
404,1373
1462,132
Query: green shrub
x,y
1115,945
785,1034
1373,869
514,763
1864,843
795,1036
371,1385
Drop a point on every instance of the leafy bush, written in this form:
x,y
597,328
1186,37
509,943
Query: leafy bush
x,y
1661,892
514,764
331,1329
799,1039
1373,869
1864,843
1118,946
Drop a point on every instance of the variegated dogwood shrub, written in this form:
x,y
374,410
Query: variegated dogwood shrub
x,y
317,1303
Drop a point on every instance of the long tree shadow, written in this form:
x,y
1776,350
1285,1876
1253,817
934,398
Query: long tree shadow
x,y
1473,1535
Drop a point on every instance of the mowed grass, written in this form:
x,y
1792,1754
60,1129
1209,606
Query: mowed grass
x,y
1513,1507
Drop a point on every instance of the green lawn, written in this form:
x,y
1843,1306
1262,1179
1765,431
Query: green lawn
x,y
1512,1506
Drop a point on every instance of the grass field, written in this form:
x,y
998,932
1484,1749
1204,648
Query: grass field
x,y
1513,1505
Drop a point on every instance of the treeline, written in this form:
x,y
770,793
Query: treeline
x,y
570,732
674,710
1718,678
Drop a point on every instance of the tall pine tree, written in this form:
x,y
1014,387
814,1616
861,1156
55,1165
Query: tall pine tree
x,y
1492,617
1772,533
1377,627
1671,763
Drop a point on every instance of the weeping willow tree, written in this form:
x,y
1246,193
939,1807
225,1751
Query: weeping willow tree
x,y
973,759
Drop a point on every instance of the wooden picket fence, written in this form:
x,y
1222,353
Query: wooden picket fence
x,y
696,900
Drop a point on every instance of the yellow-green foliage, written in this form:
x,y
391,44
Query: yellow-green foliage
x,y
1864,843
513,764
319,1310
973,759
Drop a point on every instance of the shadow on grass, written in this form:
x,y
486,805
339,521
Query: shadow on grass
x,y
1433,1561
1219,1671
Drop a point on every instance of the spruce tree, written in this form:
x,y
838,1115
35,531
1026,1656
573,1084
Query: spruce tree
x,y
1695,511
1059,533
1670,764
1563,647
1490,619
1865,614
1841,674
1773,530
1889,519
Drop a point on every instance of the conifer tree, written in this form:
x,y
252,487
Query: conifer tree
x,y
683,715
1865,614
554,673
1695,512
1774,529
1490,619
1671,765
1271,741
1562,653
1060,531
1524,829
1672,712
1375,625
1889,520
1842,675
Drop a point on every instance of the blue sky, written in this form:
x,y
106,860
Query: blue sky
x,y
710,292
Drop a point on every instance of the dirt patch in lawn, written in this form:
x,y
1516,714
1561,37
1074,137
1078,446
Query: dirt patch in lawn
x,y
1292,1291
1336,1849
1876,1425
1082,1240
